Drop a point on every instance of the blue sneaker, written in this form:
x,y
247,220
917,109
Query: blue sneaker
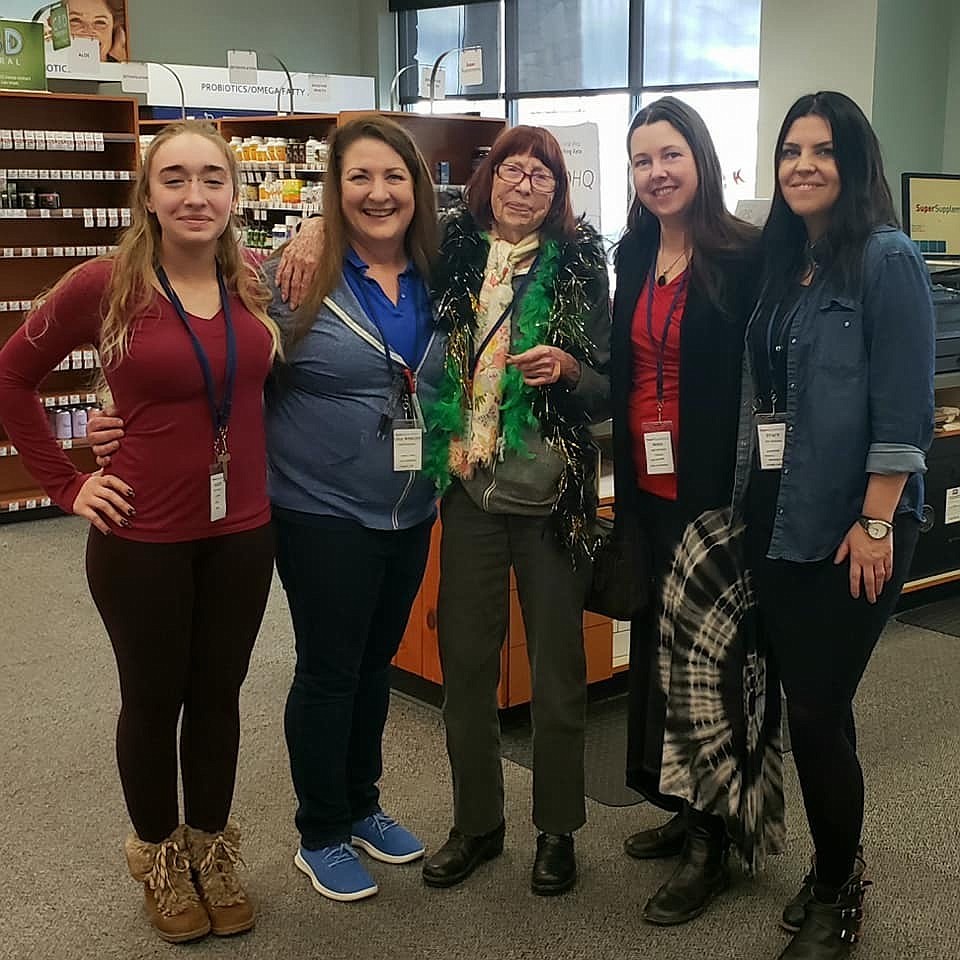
x,y
384,839
336,872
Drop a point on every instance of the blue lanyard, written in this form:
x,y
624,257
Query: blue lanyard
x,y
661,347
219,412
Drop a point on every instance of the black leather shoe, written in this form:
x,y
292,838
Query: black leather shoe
x,y
701,874
665,841
555,867
829,930
460,856
793,913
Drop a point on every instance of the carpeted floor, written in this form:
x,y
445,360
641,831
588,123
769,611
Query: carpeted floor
x,y
64,893
941,617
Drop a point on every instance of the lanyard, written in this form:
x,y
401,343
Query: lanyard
x,y
491,333
219,412
779,325
661,347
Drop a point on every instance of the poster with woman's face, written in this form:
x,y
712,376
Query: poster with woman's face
x,y
104,21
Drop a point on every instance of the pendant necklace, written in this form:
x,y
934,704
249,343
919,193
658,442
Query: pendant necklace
x,y
662,276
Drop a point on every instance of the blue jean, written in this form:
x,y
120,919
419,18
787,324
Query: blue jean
x,y
350,590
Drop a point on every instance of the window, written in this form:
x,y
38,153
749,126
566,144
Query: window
x,y
566,47
425,34
688,42
484,108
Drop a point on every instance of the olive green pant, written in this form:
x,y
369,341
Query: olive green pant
x,y
476,553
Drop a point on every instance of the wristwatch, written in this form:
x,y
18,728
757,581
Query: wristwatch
x,y
876,529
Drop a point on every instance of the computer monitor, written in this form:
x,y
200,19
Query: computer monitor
x,y
931,214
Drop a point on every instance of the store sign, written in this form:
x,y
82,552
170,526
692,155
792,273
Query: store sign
x,y
60,26
22,63
211,88
581,151
97,35
471,66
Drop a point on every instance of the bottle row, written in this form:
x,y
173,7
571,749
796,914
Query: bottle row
x,y
311,151
52,140
270,189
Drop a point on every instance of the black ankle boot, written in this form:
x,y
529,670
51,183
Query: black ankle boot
x,y
701,874
665,841
555,866
829,930
793,913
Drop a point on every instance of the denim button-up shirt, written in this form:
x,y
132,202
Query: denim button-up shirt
x,y
859,398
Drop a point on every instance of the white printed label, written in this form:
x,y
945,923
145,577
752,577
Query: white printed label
x,y
951,512
218,497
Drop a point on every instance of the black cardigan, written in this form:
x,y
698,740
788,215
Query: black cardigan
x,y
711,348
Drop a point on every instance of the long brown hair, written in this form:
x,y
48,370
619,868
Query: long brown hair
x,y
421,240
560,223
131,286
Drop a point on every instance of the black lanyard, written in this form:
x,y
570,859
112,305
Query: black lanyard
x,y
774,354
491,333
661,347
219,412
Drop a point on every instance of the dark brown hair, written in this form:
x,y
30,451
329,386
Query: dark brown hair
x,y
560,223
421,240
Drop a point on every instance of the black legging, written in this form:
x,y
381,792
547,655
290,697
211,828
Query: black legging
x,y
823,640
182,619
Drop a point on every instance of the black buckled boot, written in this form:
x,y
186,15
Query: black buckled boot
x,y
829,930
701,874
664,841
794,912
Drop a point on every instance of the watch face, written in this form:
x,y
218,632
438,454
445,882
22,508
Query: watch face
x,y
876,530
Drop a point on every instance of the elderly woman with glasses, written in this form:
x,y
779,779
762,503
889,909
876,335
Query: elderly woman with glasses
x,y
521,286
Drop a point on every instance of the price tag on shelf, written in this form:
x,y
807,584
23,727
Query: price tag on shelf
x,y
113,217
75,397
64,401
951,513
57,252
69,251
98,141
6,139
19,214
42,251
51,401
124,216
26,252
91,397
67,213
87,174
66,444
26,304
45,501
88,216
76,363
31,504
3,451
97,174
13,507
109,174
44,213
44,175
13,450
8,252
4,306
101,216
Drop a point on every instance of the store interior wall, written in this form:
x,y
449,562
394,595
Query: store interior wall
x,y
816,45
951,133
913,63
321,37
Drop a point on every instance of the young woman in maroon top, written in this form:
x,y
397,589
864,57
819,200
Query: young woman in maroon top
x,y
180,551
686,282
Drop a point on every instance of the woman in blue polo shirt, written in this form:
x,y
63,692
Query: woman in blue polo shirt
x,y
352,510
836,419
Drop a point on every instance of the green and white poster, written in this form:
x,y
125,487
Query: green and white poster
x,y
23,64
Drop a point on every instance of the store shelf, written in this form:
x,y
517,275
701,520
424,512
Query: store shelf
x,y
282,207
282,167
45,243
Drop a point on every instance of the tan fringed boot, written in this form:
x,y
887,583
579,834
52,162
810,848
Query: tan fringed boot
x,y
214,858
164,870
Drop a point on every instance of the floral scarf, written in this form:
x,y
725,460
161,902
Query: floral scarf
x,y
478,443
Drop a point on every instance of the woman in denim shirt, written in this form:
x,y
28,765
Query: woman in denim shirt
x,y
836,419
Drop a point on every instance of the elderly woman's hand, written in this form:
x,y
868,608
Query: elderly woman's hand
x,y
300,261
542,366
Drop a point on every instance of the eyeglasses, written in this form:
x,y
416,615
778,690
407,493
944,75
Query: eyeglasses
x,y
541,181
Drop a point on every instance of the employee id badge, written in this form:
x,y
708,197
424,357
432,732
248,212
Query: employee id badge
x,y
658,447
771,440
218,493
407,446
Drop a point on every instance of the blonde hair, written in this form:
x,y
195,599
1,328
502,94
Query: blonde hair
x,y
422,236
131,279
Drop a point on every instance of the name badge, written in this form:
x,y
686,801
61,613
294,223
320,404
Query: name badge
x,y
658,448
771,441
407,446
218,493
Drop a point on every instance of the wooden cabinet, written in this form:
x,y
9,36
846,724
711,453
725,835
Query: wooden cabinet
x,y
66,166
419,652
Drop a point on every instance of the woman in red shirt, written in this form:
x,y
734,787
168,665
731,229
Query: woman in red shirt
x,y
686,282
180,550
